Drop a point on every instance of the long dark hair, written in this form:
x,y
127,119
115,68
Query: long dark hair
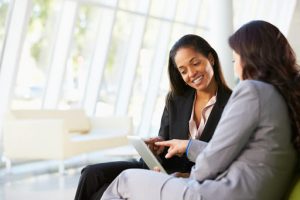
x,y
178,86
266,55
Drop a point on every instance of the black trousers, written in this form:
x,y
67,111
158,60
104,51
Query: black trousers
x,y
96,178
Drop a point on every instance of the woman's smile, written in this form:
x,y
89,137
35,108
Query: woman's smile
x,y
198,80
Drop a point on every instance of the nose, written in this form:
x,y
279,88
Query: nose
x,y
191,72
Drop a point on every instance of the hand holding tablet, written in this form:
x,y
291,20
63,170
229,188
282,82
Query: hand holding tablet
x,y
151,143
145,153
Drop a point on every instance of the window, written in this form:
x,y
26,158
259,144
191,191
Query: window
x,y
4,7
36,55
81,54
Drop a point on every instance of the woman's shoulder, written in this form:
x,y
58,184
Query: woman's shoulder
x,y
223,94
175,100
176,97
263,91
254,85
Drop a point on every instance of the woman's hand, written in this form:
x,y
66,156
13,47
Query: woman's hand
x,y
181,175
156,169
176,147
153,147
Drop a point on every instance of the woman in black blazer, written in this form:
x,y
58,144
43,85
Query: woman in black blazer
x,y
175,125
202,75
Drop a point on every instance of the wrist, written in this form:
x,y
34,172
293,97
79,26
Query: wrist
x,y
187,147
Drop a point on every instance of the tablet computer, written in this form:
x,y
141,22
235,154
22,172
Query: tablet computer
x,y
144,151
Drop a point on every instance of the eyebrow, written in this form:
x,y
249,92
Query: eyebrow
x,y
190,61
180,67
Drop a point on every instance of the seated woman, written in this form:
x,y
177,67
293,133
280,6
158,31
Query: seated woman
x,y
193,109
251,155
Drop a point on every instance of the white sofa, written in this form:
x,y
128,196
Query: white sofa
x,y
60,134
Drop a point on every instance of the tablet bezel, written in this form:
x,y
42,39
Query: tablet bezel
x,y
144,151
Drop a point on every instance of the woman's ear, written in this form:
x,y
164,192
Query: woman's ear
x,y
211,59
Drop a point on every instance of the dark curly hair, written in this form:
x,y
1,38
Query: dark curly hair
x,y
178,86
266,55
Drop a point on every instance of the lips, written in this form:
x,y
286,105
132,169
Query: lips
x,y
198,80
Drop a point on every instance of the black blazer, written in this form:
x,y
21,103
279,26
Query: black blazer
x,y
175,125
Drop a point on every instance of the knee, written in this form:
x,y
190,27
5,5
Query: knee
x,y
89,171
127,172
124,175
127,183
123,181
128,176
85,169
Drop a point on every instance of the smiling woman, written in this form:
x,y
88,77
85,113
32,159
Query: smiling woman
x,y
196,70
194,64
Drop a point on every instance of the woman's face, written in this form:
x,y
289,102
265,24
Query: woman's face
x,y
195,69
238,69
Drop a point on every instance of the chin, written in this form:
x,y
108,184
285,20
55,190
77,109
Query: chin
x,y
201,87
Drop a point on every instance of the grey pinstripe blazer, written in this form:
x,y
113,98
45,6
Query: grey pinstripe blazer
x,y
250,155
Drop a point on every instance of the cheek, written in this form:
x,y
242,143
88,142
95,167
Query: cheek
x,y
209,71
238,70
235,66
184,78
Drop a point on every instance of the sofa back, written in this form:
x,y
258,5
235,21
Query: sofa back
x,y
75,119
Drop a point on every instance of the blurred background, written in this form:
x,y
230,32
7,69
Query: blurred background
x,y
107,58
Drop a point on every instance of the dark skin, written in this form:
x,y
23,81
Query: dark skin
x,y
197,72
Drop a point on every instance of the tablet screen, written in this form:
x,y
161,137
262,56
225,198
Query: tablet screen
x,y
147,155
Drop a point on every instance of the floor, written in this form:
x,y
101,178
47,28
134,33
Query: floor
x,y
46,187
41,180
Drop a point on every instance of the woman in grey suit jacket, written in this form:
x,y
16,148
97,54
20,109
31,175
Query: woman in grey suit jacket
x,y
251,155
175,120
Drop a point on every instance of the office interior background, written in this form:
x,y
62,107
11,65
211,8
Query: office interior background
x,y
107,58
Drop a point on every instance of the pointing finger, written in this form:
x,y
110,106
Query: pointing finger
x,y
163,143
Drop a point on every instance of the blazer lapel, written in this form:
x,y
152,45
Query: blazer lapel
x,y
183,114
215,115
